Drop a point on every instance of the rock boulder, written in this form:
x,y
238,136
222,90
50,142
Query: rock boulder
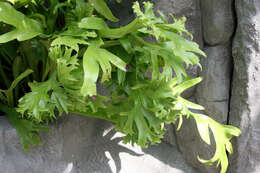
x,y
245,102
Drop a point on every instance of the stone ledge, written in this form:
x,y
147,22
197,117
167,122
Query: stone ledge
x,y
79,144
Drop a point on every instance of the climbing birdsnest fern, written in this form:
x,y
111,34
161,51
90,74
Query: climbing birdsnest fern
x,y
54,53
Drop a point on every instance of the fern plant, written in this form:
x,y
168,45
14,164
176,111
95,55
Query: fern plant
x,y
54,54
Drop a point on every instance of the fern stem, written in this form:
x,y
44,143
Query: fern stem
x,y
111,43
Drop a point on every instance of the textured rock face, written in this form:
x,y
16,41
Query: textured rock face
x,y
213,94
82,145
58,150
191,146
213,91
218,21
245,104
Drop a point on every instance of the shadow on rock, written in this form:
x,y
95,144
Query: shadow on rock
x,y
79,144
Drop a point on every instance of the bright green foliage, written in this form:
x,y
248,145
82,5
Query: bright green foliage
x,y
26,130
222,135
43,99
93,23
25,28
103,9
67,65
64,50
93,57
68,41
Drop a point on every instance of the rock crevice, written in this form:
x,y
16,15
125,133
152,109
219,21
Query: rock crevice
x,y
232,61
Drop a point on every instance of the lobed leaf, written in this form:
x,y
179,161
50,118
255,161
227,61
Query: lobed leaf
x,y
93,57
222,135
25,28
69,41
40,104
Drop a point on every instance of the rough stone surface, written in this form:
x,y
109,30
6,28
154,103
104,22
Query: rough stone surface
x,y
170,135
79,144
213,91
191,146
245,102
213,94
218,21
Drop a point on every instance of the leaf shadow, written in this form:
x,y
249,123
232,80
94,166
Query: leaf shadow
x,y
102,153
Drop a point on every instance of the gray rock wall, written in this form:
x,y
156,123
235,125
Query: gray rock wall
x,y
213,27
78,144
245,103
213,91
218,21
